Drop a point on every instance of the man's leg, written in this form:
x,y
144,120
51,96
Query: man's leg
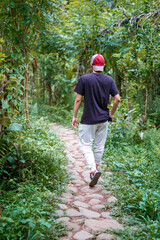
x,y
100,139
86,136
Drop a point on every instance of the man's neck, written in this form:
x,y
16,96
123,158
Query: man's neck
x,y
96,72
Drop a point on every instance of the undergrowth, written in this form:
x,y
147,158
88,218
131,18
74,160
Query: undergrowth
x,y
32,176
60,114
135,179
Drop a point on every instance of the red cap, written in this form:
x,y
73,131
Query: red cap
x,y
98,62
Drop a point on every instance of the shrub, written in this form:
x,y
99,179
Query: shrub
x,y
27,213
135,179
33,173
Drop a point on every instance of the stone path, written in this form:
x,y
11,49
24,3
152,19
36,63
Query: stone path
x,y
83,209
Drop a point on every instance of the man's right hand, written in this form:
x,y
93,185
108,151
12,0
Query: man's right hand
x,y
115,105
111,115
74,122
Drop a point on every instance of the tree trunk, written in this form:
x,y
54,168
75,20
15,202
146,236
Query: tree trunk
x,y
118,78
145,102
32,84
128,105
119,83
44,89
78,68
3,85
26,94
50,93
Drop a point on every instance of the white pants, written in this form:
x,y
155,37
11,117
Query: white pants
x,y
88,133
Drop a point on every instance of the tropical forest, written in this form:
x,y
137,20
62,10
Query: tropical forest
x,y
45,47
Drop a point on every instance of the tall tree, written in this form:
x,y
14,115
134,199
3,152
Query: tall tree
x,y
21,22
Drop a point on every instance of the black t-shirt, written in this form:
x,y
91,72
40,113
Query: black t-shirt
x,y
96,88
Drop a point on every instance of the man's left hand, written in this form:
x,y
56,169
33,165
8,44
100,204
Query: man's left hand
x,y
74,122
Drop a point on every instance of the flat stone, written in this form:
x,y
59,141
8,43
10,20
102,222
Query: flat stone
x,y
62,206
75,176
70,235
79,198
65,200
94,196
105,236
82,235
80,163
77,167
106,215
101,225
112,199
80,182
94,201
67,195
59,213
73,213
88,213
98,207
63,238
72,171
73,189
71,160
70,147
70,166
94,189
80,204
79,221
105,192
73,226
79,170
78,156
63,219
85,174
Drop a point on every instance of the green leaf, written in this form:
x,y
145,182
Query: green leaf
x,y
22,161
7,219
14,166
5,121
5,104
117,55
10,159
34,109
15,127
31,224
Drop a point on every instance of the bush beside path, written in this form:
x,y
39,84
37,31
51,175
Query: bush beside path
x,y
83,209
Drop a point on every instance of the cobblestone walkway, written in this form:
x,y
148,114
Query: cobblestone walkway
x,y
83,209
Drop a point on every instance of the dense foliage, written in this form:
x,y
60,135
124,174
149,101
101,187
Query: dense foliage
x,y
44,47
135,180
32,177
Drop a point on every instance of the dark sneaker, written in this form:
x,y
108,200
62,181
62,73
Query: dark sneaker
x,y
94,179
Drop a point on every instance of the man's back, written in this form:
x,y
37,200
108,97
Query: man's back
x,y
96,88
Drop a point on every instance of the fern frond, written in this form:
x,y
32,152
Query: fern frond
x,y
3,150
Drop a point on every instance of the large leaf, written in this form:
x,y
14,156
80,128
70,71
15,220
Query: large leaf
x,y
15,127
5,121
5,104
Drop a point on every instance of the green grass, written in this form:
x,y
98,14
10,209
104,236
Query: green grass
x,y
135,180
33,176
58,114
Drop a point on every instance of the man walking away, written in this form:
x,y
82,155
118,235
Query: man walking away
x,y
96,88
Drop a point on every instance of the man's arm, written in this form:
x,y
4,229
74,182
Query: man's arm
x,y
115,105
77,104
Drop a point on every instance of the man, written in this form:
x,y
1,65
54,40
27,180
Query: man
x,y
96,88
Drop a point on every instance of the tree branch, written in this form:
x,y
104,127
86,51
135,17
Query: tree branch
x,y
131,19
